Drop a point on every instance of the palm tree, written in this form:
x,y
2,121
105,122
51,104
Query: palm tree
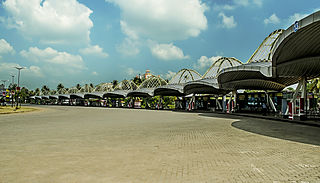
x,y
78,86
114,83
37,92
314,85
137,81
60,86
45,90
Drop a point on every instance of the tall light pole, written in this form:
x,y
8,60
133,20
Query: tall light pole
x,y
19,69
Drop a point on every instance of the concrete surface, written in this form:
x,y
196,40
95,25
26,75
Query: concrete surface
x,y
79,144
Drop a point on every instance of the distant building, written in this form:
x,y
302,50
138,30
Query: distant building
x,y
147,74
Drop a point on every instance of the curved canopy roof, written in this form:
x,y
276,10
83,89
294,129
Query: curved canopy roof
x,y
126,85
256,73
152,82
103,87
53,97
263,52
62,91
116,94
218,65
209,84
121,90
297,52
86,89
93,95
184,76
146,88
73,90
175,86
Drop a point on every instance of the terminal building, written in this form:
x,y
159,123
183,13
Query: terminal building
x,y
284,58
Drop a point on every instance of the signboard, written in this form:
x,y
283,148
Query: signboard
x,y
296,26
242,97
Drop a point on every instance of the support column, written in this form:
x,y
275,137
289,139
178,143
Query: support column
x,y
224,103
303,99
234,105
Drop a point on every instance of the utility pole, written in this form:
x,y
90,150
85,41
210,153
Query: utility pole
x,y
18,88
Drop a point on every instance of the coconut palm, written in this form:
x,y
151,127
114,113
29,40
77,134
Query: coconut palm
x,y
78,86
114,83
314,85
45,90
60,86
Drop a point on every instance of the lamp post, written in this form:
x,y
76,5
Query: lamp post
x,y
17,100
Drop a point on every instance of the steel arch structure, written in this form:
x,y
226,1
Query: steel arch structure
x,y
121,90
256,73
147,87
208,84
176,84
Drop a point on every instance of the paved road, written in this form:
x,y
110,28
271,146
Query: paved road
x,y
77,145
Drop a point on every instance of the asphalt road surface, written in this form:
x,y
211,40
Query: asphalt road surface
x,y
97,145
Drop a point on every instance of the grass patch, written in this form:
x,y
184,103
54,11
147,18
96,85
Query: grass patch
x,y
11,110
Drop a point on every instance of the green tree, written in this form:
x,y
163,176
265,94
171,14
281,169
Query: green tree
x,y
114,83
313,86
45,90
137,81
24,94
78,86
60,86
37,92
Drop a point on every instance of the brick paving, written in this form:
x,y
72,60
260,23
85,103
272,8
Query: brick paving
x,y
74,144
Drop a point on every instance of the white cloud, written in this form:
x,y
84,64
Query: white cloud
x,y
131,72
95,50
129,47
248,2
238,4
227,22
167,52
5,47
94,73
205,62
165,20
258,2
224,7
273,19
169,75
296,17
9,68
54,61
36,70
50,21
242,2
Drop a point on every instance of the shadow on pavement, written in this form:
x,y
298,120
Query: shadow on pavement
x,y
277,129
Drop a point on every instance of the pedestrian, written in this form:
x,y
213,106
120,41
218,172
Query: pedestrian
x,y
264,109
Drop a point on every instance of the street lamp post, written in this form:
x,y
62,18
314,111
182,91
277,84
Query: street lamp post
x,y
17,100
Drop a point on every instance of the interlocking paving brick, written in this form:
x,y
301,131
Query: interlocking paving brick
x,y
74,144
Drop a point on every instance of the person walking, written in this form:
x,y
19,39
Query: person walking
x,y
264,109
